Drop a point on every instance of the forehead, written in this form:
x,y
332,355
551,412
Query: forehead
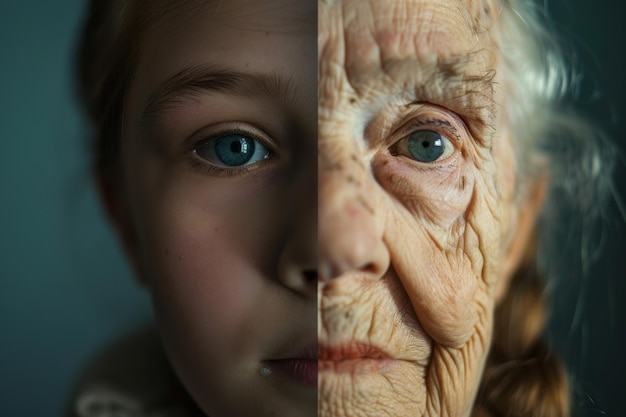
x,y
435,22
366,37
441,17
224,30
252,15
272,37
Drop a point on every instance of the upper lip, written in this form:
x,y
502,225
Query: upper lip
x,y
350,350
309,352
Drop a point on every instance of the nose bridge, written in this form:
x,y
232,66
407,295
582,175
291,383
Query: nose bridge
x,y
349,227
297,267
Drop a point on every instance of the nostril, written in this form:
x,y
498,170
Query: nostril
x,y
371,268
310,275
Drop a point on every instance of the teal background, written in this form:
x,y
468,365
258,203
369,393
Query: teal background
x,y
588,320
65,289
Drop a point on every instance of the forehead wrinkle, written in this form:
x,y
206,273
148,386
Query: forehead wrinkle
x,y
332,80
371,43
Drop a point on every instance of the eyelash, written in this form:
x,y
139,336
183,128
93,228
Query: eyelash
x,y
205,167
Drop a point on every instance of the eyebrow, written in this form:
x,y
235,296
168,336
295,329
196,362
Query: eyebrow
x,y
207,79
448,81
470,93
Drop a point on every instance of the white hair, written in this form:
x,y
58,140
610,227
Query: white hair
x,y
551,137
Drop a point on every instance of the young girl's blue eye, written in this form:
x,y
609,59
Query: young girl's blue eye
x,y
232,150
427,145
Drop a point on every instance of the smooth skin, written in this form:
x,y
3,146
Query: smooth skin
x,y
227,261
414,254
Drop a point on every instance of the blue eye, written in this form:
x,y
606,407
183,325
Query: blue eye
x,y
232,150
426,146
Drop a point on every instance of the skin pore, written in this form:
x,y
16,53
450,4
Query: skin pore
x,y
229,265
414,249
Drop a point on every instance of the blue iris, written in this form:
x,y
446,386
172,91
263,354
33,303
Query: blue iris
x,y
426,145
232,150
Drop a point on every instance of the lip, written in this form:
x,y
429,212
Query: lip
x,y
301,370
353,357
300,367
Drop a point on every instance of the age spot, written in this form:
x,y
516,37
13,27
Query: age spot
x,y
351,180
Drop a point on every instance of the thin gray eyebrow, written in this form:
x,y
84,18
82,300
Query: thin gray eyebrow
x,y
206,79
470,93
447,81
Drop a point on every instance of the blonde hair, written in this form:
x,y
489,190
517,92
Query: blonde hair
x,y
522,377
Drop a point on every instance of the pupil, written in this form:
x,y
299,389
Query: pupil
x,y
426,144
235,146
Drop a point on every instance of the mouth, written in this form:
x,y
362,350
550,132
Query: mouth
x,y
301,367
353,357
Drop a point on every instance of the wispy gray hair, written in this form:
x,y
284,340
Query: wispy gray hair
x,y
541,86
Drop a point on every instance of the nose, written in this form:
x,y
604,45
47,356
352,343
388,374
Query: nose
x,y
297,265
350,224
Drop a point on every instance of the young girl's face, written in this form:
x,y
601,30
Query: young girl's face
x,y
219,213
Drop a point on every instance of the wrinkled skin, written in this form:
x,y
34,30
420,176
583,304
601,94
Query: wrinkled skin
x,y
224,258
413,255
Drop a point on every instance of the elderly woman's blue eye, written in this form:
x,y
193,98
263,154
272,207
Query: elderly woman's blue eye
x,y
427,146
232,150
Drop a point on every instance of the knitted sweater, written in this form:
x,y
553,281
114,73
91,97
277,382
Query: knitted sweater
x,y
132,378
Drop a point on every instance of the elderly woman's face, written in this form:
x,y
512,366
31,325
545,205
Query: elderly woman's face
x,y
417,227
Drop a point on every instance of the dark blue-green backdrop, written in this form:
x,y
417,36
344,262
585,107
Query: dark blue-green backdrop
x,y
64,287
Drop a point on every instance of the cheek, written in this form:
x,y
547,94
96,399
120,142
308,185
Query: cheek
x,y
438,197
200,270
444,228
206,252
506,181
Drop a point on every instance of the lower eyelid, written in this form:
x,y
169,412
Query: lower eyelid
x,y
203,167
394,173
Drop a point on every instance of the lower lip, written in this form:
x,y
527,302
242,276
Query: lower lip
x,y
301,370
